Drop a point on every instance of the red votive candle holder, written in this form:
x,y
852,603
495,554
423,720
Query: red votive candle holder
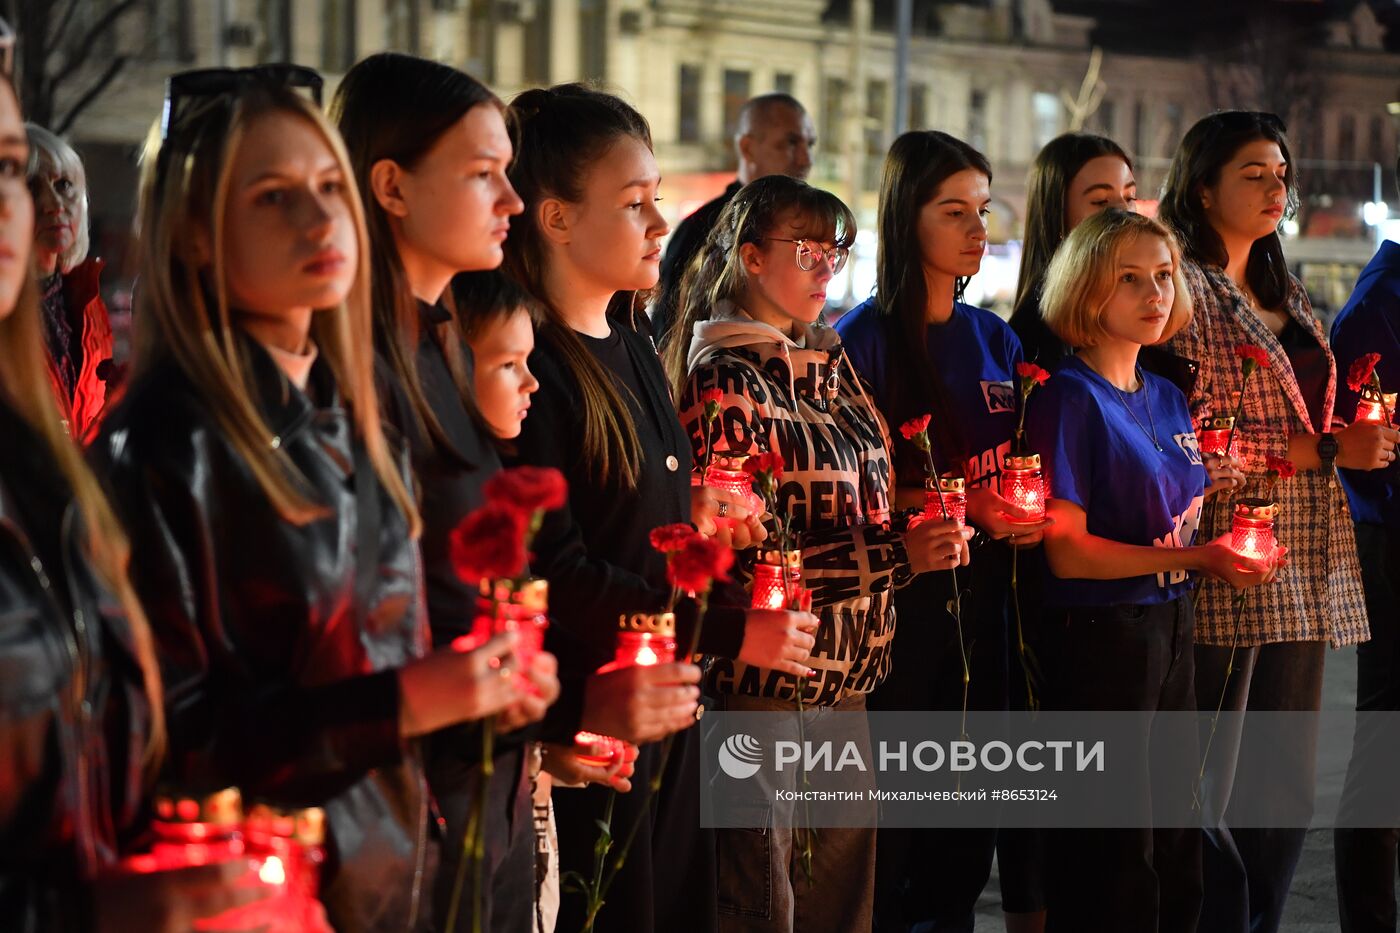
x,y
953,490
1214,434
192,830
643,639
1373,406
727,473
291,844
1252,528
1023,484
777,577
510,606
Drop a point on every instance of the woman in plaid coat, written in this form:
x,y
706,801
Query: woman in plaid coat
x,y
1231,182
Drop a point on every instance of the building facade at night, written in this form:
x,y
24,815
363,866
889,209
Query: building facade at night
x,y
1006,75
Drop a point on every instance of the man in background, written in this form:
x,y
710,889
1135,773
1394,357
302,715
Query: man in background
x,y
774,136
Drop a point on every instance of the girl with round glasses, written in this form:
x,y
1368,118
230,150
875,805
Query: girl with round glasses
x,y
750,325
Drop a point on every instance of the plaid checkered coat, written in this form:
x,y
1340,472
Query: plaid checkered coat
x,y
1318,596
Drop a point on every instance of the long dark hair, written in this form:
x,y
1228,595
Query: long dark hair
x,y
717,271
397,107
1046,197
560,133
917,163
1204,151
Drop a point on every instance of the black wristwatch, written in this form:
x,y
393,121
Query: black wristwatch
x,y
1327,450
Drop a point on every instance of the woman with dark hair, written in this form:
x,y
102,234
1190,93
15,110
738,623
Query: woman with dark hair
x,y
925,351
430,149
1074,175
1231,182
272,523
750,326
589,240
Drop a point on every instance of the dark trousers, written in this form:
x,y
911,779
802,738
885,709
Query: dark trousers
x,y
669,881
929,880
508,869
1366,858
1021,849
1143,880
1248,870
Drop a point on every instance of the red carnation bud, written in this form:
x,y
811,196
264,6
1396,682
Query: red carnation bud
x,y
1031,371
770,462
915,426
528,489
670,538
1280,465
714,396
698,562
489,544
1248,351
1361,371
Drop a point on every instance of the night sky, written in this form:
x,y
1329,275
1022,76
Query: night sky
x,y
1171,28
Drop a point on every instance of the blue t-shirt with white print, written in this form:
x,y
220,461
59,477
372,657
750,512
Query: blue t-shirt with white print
x,y
975,353
1099,458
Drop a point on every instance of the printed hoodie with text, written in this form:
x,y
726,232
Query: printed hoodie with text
x,y
802,399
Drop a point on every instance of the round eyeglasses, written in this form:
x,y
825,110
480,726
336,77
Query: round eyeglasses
x,y
809,253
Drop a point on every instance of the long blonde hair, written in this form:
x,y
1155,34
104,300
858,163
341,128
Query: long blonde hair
x,y
183,305
25,384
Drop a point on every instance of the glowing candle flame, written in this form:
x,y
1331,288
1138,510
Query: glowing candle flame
x,y
272,871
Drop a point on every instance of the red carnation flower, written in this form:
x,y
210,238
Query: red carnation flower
x,y
1248,351
489,544
915,426
1031,371
670,538
698,562
1280,465
714,396
1361,371
528,489
770,462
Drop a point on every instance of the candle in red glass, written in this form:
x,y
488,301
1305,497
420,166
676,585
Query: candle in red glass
x,y
643,639
1023,484
954,499
510,606
292,845
727,473
769,591
1215,433
1252,528
195,830
1373,406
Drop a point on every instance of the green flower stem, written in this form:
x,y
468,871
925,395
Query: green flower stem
x,y
603,882
1021,649
1224,688
474,837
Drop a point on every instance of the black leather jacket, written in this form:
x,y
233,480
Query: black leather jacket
x,y
73,713
279,648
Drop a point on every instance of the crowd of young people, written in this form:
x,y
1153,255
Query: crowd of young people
x,y
230,562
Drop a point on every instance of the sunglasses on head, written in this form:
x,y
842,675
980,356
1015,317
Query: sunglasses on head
x,y
184,90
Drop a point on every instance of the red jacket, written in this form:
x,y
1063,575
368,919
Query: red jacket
x,y
87,314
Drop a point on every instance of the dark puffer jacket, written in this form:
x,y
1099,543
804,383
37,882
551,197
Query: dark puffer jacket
x,y
279,644
74,720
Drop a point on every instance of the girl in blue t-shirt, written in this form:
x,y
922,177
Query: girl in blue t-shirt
x,y
924,351
1127,485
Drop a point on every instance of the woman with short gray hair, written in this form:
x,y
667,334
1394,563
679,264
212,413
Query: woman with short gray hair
x,y
76,329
